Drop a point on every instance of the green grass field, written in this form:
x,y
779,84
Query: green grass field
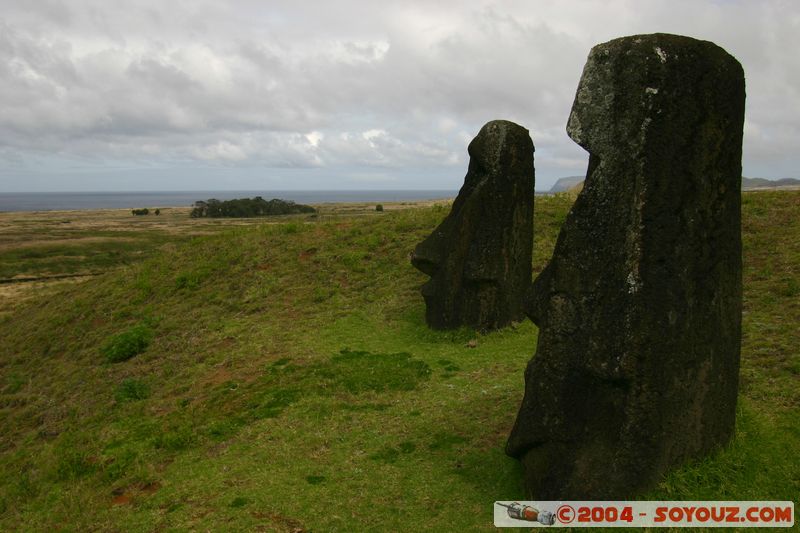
x,y
280,377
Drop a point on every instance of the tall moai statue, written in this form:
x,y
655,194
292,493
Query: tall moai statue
x,y
639,310
479,257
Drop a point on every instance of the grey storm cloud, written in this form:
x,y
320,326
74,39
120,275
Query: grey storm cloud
x,y
342,88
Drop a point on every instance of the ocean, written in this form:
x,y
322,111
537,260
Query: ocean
x,y
57,201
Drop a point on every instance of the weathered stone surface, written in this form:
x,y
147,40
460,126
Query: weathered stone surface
x,y
639,309
479,258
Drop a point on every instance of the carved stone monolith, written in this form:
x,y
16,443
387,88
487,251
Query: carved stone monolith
x,y
639,310
479,257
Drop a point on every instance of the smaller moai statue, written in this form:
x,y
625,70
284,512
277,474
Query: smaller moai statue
x,y
479,257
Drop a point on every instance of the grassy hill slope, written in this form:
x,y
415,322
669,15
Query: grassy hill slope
x,y
289,382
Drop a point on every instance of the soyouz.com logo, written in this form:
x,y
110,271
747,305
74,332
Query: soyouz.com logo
x,y
644,514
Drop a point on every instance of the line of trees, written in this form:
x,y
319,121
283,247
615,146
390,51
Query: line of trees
x,y
145,211
248,207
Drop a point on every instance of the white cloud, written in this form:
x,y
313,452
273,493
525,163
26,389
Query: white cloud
x,y
222,150
314,138
352,87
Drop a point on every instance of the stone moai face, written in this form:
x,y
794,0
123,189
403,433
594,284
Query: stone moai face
x,y
639,309
479,258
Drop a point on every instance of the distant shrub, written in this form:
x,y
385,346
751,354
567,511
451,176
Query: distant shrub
x,y
72,464
379,207
239,501
131,390
192,279
186,281
14,383
120,461
175,440
321,294
127,344
72,458
290,228
791,288
157,212
222,429
140,212
248,207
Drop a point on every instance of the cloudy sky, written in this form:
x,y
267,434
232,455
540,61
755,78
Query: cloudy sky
x,y
323,94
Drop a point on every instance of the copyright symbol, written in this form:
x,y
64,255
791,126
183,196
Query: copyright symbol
x,y
565,514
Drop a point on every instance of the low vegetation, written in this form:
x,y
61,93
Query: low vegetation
x,y
127,344
248,207
42,251
76,242
290,383
145,211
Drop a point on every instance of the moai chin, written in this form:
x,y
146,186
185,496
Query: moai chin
x,y
479,257
639,310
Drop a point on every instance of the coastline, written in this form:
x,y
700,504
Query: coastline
x,y
73,201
